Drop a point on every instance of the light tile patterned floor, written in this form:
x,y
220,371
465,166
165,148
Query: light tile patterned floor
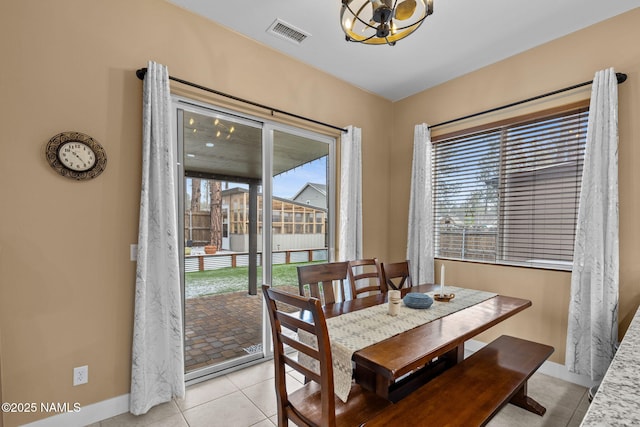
x,y
247,398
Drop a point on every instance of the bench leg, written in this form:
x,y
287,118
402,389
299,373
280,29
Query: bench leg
x,y
525,402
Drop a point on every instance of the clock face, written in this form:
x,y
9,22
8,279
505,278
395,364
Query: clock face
x,y
77,156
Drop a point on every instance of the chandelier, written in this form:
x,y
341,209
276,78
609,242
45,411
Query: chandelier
x,y
382,21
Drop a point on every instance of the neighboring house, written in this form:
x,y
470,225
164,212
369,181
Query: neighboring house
x,y
295,225
312,195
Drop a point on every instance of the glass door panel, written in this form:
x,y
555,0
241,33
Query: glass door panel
x,y
222,171
300,204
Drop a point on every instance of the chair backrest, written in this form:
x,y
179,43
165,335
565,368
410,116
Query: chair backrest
x,y
285,329
316,280
396,275
365,275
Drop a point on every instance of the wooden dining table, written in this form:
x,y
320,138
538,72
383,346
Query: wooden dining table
x,y
396,366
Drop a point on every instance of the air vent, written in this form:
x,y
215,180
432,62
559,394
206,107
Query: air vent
x,y
287,31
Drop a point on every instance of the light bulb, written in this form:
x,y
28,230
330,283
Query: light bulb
x,y
348,23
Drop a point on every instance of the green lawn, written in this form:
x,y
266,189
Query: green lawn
x,y
235,279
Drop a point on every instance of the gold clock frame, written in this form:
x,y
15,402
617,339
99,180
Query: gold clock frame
x,y
53,152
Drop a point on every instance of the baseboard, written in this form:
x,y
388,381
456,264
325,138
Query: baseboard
x,y
87,415
552,369
118,405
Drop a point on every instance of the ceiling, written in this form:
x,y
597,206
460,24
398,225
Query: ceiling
x,y
218,146
461,36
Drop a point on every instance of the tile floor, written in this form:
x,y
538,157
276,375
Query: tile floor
x,y
247,398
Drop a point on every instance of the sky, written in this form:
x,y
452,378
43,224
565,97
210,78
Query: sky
x,y
287,184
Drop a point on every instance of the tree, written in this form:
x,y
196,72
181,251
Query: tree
x,y
215,195
196,194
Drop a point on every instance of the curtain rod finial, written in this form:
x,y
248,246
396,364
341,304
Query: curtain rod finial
x,y
142,71
622,77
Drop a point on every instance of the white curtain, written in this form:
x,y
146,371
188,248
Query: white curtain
x,y
592,332
420,230
350,240
157,372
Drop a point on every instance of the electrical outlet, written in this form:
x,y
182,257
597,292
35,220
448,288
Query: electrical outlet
x,y
80,375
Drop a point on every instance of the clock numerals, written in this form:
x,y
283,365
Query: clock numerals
x,y
77,156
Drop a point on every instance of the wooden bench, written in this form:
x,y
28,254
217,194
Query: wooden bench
x,y
473,391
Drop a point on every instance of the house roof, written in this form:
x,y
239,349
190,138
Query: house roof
x,y
237,190
320,188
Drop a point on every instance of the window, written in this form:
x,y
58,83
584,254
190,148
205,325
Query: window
x,y
509,193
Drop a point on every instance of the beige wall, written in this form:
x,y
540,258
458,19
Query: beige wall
x,y
66,282
561,63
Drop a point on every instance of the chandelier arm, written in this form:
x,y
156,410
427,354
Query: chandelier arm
x,y
367,39
373,36
419,22
357,16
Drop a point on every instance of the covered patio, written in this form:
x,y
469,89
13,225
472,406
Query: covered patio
x,y
222,327
228,149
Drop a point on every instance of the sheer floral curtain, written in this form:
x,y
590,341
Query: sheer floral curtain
x,y
157,372
420,230
350,240
592,332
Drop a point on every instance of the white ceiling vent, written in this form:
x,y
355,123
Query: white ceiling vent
x,y
287,31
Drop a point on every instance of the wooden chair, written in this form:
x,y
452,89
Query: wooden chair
x,y
365,275
315,404
319,278
396,275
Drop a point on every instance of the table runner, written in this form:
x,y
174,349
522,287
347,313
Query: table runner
x,y
356,330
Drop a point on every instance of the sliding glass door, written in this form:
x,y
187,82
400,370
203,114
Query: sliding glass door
x,y
256,202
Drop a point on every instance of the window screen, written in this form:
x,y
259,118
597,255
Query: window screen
x,y
510,194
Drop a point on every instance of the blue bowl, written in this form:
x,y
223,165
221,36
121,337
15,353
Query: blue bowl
x,y
417,300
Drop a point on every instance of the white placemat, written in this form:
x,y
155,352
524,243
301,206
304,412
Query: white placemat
x,y
353,331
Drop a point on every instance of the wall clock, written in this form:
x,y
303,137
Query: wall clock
x,y
76,155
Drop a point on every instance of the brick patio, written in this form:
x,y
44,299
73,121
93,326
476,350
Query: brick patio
x,y
220,327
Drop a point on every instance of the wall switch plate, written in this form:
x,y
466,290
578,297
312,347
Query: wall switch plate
x,y
133,252
80,375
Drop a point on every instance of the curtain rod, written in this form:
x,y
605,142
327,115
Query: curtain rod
x,y
621,77
142,71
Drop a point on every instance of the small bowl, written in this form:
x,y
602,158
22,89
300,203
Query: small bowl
x,y
445,297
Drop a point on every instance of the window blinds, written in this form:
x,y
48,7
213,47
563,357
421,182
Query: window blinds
x,y
510,194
